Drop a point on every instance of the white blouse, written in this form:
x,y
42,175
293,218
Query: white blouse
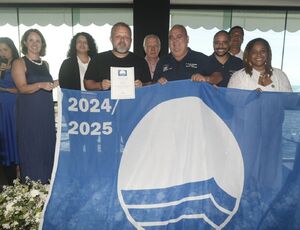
x,y
82,70
241,80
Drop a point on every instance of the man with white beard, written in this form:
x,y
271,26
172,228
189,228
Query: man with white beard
x,y
97,76
221,60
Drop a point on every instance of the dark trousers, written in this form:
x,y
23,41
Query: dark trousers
x,y
7,175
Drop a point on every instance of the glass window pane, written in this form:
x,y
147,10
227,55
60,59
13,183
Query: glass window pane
x,y
9,24
291,50
201,26
98,23
195,19
275,40
263,20
265,24
201,39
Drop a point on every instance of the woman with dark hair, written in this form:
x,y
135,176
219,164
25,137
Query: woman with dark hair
x,y
9,155
34,109
258,72
253,114
72,70
8,53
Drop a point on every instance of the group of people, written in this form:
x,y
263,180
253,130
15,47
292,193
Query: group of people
x,y
29,139
28,144
227,64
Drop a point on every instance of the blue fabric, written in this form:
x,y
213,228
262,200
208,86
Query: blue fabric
x,y
122,176
36,126
9,154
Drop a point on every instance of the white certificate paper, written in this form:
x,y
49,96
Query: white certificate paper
x,y
122,82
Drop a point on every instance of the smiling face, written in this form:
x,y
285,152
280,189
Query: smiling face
x,y
33,43
178,42
221,44
5,51
121,40
152,47
82,44
258,56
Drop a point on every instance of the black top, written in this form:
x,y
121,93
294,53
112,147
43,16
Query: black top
x,y
193,62
230,66
99,66
69,76
36,73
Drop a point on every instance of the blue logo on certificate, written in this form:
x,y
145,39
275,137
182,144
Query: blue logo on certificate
x,y
122,73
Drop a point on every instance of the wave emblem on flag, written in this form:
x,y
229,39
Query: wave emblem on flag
x,y
181,168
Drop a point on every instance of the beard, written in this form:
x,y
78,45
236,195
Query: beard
x,y
121,48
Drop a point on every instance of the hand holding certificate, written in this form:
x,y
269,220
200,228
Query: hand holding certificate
x,y
122,82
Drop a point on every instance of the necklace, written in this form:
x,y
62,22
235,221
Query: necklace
x,y
40,62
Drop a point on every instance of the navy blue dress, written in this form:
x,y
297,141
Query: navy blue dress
x,y
36,126
8,141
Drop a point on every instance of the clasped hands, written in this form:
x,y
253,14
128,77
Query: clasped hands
x,y
264,80
48,85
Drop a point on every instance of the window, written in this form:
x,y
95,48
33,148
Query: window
x,y
98,23
268,25
59,25
291,49
271,25
201,26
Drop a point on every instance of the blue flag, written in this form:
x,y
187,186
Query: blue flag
x,y
183,155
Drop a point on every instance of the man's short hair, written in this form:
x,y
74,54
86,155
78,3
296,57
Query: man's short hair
x,y
222,32
236,27
151,36
181,27
119,24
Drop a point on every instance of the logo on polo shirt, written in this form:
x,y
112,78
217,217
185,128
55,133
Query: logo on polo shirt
x,y
167,68
191,65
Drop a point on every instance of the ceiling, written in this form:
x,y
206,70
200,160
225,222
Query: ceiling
x,y
284,3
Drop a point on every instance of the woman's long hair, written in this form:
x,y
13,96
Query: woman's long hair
x,y
91,43
11,45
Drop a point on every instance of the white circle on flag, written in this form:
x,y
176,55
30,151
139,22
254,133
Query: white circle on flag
x,y
181,141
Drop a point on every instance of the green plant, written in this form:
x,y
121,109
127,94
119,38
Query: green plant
x,y
21,205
